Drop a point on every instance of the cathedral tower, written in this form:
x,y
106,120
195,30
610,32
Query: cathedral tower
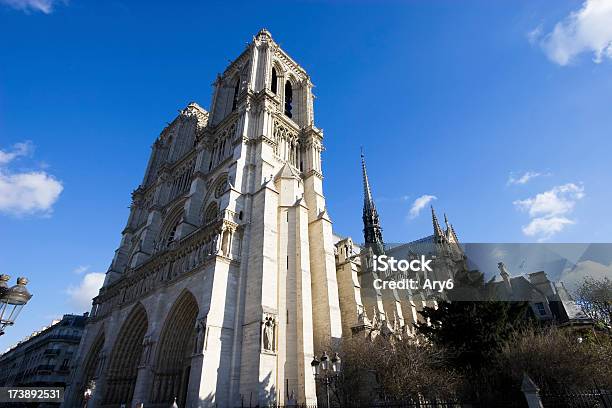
x,y
224,284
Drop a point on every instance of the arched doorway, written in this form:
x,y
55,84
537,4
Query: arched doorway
x,y
92,364
123,369
176,345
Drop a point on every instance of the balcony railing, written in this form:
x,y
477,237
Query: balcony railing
x,y
66,337
45,367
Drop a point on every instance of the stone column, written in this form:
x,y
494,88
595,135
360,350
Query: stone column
x,y
326,305
354,317
257,369
144,379
197,363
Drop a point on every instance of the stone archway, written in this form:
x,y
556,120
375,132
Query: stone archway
x,y
93,364
125,358
176,346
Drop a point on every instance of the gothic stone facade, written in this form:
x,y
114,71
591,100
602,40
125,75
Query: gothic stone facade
x,y
224,283
228,278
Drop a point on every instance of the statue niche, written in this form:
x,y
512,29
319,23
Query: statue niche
x,y
268,333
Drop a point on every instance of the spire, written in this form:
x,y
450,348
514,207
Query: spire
x,y
449,229
368,202
438,234
371,224
450,234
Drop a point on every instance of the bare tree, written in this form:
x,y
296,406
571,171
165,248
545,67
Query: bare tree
x,y
556,359
389,368
595,298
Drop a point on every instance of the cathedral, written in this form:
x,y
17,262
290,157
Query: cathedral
x,y
228,278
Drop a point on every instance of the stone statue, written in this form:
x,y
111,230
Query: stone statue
x,y
269,326
100,363
146,350
199,336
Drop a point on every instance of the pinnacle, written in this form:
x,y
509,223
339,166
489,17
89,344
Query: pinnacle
x,y
264,33
287,172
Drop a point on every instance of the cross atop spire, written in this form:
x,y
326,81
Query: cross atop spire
x,y
371,224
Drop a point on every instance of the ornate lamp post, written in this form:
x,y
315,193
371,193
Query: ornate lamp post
x,y
326,371
12,300
89,391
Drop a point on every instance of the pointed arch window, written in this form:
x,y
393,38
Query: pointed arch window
x,y
211,213
171,235
274,86
236,89
288,99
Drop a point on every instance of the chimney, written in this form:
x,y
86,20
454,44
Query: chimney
x,y
505,276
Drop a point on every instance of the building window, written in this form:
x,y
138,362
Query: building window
x,y
236,89
541,308
288,99
274,86
211,213
221,188
171,235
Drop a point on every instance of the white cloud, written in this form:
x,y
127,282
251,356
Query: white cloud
x,y
545,228
549,210
534,35
557,201
586,30
524,178
81,269
87,289
419,204
499,253
44,6
18,150
27,192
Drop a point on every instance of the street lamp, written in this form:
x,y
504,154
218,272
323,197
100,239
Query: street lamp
x,y
89,391
335,360
12,300
325,374
315,364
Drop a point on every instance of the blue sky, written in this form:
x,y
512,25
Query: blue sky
x,y
500,110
